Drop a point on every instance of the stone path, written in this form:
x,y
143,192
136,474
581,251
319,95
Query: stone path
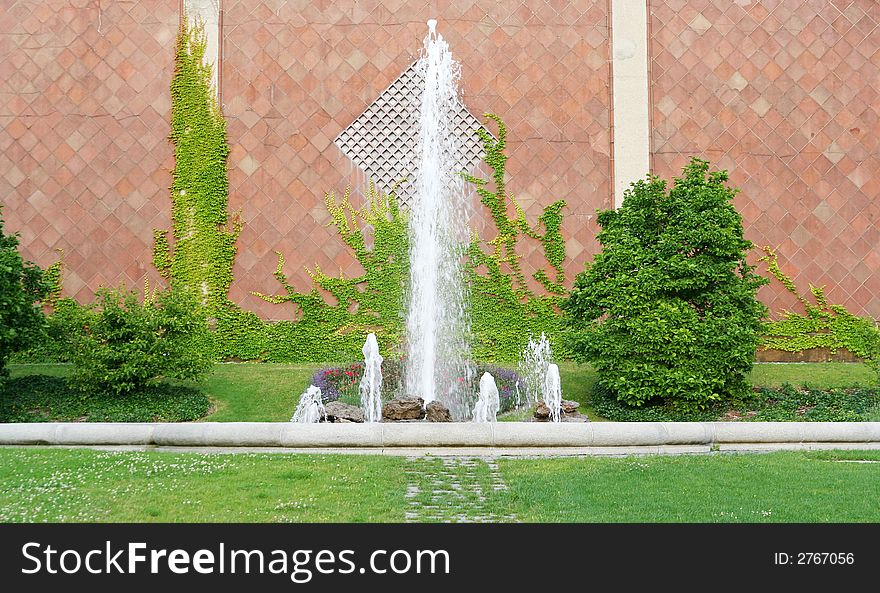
x,y
453,490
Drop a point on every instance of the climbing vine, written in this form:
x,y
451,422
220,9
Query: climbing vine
x,y
334,331
53,277
504,310
202,250
334,316
823,326
199,251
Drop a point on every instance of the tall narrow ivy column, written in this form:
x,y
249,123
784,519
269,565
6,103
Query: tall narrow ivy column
x,y
208,13
629,46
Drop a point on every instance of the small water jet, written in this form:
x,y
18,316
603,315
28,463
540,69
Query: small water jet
x,y
437,327
371,381
534,361
310,408
553,392
488,403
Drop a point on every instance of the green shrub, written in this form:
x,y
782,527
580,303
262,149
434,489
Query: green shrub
x,y
119,345
22,288
607,405
668,310
39,398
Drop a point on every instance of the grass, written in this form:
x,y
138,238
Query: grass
x,y
256,392
267,392
775,487
79,485
821,375
246,392
76,485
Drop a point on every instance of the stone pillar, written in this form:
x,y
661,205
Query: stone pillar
x,y
631,123
208,13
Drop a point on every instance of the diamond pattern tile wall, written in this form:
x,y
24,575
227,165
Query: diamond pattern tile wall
x,y
295,74
84,156
786,96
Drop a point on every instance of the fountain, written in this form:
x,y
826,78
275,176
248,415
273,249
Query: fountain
x,y
553,392
310,408
487,405
371,381
437,368
437,325
534,361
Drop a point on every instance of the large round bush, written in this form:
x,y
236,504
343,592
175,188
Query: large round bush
x,y
668,310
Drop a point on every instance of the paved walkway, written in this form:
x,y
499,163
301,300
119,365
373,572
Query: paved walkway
x,y
453,490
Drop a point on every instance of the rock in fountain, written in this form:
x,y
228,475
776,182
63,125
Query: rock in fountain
x,y
437,325
553,392
489,402
371,381
310,408
534,361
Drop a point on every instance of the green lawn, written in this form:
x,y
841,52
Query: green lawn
x,y
821,375
68,485
257,392
246,392
775,487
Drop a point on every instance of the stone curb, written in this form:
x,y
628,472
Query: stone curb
x,y
438,435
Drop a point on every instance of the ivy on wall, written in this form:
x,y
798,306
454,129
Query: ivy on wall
x,y
199,253
824,325
333,331
202,250
504,310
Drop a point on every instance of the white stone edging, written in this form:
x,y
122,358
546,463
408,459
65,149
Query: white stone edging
x,y
438,435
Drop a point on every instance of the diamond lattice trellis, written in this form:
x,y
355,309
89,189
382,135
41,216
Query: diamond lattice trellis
x,y
382,139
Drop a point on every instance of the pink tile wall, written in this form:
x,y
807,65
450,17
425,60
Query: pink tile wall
x,y
784,94
296,73
84,121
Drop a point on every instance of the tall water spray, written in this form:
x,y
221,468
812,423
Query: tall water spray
x,y
310,408
553,393
486,408
371,381
437,320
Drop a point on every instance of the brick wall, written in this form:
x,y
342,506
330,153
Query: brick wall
x,y
295,74
84,121
786,96
783,93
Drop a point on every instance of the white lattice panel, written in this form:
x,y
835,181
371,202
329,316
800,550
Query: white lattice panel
x,y
383,139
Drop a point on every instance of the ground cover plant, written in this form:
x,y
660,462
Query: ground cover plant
x,y
777,404
44,398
